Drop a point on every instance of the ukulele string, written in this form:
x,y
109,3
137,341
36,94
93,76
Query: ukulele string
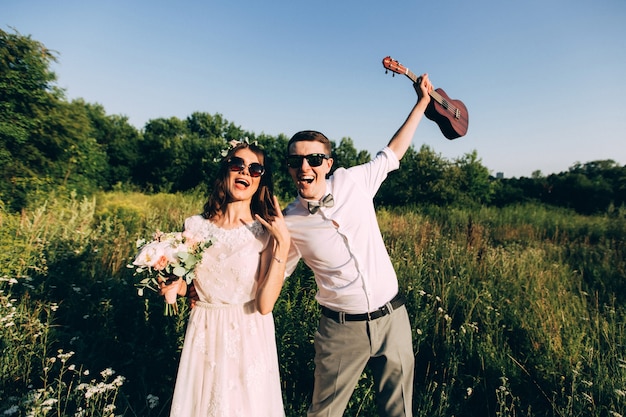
x,y
455,111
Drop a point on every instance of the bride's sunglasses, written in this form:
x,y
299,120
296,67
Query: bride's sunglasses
x,y
236,164
313,159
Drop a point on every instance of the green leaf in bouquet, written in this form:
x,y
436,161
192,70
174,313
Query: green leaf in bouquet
x,y
179,271
191,262
190,277
185,257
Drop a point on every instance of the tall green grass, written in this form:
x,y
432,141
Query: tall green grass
x,y
516,311
507,321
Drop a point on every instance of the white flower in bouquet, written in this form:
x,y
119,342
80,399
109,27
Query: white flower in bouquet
x,y
170,258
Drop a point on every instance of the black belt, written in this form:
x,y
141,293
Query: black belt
x,y
340,317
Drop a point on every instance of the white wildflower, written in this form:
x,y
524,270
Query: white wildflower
x,y
153,401
118,381
14,409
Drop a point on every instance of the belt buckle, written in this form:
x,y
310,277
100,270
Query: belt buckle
x,y
384,310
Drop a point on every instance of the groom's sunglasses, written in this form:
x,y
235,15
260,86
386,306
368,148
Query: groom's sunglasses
x,y
236,164
313,159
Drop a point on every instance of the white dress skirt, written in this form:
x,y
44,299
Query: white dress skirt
x,y
229,364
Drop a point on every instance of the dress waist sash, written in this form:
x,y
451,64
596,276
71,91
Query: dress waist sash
x,y
250,305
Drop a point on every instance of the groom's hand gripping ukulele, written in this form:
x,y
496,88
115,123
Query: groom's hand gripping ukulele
x,y
450,115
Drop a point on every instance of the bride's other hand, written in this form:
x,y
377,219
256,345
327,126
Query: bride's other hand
x,y
277,227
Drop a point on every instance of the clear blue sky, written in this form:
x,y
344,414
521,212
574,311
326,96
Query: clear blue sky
x,y
544,81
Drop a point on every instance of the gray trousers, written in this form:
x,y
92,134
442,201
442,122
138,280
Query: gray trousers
x,y
342,350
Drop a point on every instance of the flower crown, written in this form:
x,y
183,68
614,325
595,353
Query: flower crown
x,y
232,144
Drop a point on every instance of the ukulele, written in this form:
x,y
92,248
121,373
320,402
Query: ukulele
x,y
450,115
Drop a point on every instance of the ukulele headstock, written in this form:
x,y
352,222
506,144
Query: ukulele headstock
x,y
394,66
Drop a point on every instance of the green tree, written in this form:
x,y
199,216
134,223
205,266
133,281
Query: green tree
x,y
77,160
580,192
118,139
424,177
28,94
588,188
608,175
179,155
472,180
161,149
45,142
208,126
346,155
208,135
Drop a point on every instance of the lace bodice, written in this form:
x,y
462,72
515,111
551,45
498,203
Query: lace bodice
x,y
229,268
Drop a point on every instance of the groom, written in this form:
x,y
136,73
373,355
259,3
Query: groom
x,y
334,231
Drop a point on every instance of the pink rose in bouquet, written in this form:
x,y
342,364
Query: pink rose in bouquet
x,y
168,258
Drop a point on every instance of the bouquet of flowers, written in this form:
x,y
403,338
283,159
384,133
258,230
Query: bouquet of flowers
x,y
168,258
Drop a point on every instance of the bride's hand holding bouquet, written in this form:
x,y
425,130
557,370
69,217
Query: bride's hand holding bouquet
x,y
167,264
171,287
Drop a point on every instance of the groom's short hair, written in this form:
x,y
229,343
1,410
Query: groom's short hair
x,y
311,135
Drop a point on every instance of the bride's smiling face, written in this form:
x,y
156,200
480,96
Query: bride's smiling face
x,y
245,171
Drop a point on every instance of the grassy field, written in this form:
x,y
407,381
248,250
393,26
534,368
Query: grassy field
x,y
518,311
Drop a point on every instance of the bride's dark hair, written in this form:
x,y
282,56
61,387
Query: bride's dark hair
x,y
262,201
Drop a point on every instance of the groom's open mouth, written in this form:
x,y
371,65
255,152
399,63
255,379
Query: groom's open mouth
x,y
306,179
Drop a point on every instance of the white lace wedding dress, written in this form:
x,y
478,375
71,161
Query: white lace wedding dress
x,y
229,364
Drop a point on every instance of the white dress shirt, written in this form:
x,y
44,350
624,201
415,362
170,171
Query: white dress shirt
x,y
343,244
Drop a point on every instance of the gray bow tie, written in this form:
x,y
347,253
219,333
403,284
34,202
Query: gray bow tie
x,y
327,201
